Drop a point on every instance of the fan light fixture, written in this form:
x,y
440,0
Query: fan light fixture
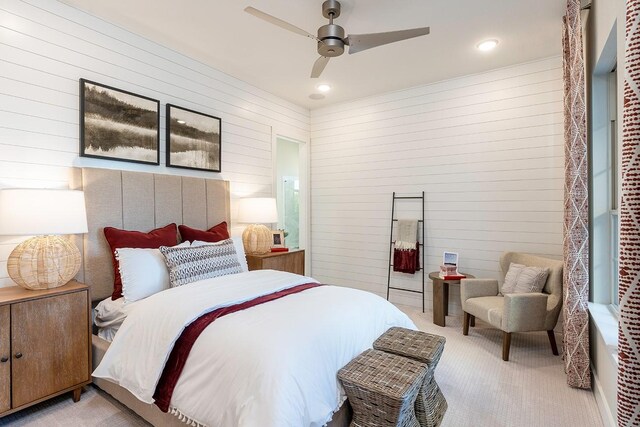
x,y
323,87
331,39
487,45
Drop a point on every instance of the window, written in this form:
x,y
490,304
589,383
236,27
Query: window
x,y
612,89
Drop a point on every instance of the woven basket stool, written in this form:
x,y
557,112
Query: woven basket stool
x,y
382,389
427,348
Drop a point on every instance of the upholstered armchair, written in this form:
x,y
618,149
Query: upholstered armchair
x,y
521,312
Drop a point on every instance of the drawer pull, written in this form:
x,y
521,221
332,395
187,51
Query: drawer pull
x,y
4,359
18,355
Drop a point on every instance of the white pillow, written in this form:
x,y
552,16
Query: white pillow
x,y
143,272
522,279
237,243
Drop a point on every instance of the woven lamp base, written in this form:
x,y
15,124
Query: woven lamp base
x,y
257,239
44,262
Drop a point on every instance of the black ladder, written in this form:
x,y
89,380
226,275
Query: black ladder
x,y
391,242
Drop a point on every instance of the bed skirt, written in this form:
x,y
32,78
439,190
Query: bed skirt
x,y
152,413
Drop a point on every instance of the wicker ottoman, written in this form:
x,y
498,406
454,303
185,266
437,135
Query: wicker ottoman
x,y
382,389
427,348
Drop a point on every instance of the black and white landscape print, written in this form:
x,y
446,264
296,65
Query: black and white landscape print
x,y
193,139
118,125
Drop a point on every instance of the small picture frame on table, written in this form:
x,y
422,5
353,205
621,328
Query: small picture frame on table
x,y
278,238
450,258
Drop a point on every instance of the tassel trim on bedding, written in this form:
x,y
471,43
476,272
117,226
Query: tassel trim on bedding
x,y
185,418
192,422
342,400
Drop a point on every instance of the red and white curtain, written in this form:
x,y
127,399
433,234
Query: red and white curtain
x,y
629,279
576,207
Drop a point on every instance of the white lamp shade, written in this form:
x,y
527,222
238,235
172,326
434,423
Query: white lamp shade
x,y
28,212
257,210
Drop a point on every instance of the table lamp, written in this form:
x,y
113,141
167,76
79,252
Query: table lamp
x,y
257,238
48,260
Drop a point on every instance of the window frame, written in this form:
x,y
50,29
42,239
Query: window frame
x,y
613,178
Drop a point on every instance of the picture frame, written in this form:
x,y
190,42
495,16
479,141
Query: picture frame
x,y
194,140
116,124
450,258
277,239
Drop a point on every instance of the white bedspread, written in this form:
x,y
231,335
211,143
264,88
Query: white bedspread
x,y
271,365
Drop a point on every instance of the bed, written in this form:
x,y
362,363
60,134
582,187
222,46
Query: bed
x,y
273,364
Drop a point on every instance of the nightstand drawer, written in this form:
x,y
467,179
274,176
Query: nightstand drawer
x,y
292,261
44,368
5,358
44,343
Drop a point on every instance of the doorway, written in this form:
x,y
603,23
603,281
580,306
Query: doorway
x,y
291,190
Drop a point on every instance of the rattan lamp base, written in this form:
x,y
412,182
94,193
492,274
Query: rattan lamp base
x,y
257,239
44,262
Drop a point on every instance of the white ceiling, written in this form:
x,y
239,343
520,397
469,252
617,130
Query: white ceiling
x,y
220,34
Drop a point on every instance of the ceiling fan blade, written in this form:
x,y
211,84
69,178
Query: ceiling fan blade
x,y
279,22
359,42
318,66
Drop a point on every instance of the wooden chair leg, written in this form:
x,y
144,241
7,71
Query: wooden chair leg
x,y
465,324
552,341
473,321
506,345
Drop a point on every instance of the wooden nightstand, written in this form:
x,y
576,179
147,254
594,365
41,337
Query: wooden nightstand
x,y
292,261
45,344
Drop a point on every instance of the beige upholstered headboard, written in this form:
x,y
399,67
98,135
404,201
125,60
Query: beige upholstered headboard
x,y
140,201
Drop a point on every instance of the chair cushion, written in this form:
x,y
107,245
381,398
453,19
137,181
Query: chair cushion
x,y
488,309
522,279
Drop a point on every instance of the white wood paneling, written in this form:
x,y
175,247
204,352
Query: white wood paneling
x,y
487,150
46,47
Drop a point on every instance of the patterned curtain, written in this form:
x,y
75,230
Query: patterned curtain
x,y
576,207
629,288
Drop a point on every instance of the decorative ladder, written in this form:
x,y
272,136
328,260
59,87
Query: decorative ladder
x,y
391,242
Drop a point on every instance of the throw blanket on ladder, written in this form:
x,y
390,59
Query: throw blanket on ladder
x,y
406,251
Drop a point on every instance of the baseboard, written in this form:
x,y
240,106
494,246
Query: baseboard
x,y
605,411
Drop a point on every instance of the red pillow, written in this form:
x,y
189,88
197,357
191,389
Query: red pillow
x,y
214,234
165,236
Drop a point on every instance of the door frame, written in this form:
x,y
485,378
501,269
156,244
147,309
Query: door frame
x,y
303,142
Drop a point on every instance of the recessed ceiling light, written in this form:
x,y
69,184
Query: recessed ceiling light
x,y
487,45
316,96
323,87
181,122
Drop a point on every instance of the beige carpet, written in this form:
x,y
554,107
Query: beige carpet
x,y
482,390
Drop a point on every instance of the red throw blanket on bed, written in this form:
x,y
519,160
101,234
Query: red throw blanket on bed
x,y
406,260
181,349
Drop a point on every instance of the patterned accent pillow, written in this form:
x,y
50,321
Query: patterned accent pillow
x,y
522,279
187,265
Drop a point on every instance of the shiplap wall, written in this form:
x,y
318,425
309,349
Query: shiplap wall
x,y
486,149
45,47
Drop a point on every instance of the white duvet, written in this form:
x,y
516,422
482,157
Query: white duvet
x,y
274,364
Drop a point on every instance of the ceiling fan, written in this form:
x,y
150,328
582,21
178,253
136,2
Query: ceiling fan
x,y
331,39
